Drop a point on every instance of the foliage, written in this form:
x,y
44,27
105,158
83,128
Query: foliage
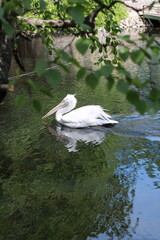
x,y
61,9
88,17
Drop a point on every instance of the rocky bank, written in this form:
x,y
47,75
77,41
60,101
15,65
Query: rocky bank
x,y
135,20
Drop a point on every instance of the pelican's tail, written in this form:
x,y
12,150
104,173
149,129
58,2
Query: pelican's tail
x,y
106,118
112,122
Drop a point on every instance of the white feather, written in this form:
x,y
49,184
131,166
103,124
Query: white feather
x,y
91,115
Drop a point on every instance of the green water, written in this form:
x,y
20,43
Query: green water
x,y
63,184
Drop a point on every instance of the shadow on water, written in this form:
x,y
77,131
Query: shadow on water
x,y
71,136
64,184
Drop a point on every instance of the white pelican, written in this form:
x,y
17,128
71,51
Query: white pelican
x,y
87,116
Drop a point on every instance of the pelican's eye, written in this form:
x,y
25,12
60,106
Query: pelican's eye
x,y
65,101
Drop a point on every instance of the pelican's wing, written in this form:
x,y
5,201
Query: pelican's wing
x,y
90,115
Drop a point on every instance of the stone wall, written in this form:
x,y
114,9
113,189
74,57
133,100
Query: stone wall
x,y
134,20
139,3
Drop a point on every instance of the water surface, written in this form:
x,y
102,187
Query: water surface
x,y
60,183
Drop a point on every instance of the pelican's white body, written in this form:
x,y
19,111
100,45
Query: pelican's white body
x,y
91,115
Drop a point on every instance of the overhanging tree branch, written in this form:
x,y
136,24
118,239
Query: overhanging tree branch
x,y
51,23
108,7
90,20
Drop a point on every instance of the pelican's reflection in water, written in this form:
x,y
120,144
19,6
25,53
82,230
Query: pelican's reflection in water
x,y
71,136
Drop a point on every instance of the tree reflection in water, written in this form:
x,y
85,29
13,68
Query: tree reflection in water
x,y
62,195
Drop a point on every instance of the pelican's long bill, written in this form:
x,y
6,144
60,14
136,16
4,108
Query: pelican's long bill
x,y
55,109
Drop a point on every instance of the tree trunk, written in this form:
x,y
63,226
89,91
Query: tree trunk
x,y
6,51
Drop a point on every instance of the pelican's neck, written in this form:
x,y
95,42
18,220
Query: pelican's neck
x,y
60,113
64,110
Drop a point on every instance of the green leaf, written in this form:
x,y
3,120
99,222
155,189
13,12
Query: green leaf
x,y
149,41
154,94
1,13
122,86
46,92
106,70
81,73
153,107
65,56
11,83
141,106
155,50
137,56
124,53
137,82
146,53
53,77
110,82
151,5
77,13
126,38
37,105
40,67
33,84
85,26
77,1
92,80
82,45
98,73
123,71
8,29
75,62
65,67
43,4
132,96
27,4
20,100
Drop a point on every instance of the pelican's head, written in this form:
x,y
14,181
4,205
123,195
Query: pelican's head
x,y
66,105
70,100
